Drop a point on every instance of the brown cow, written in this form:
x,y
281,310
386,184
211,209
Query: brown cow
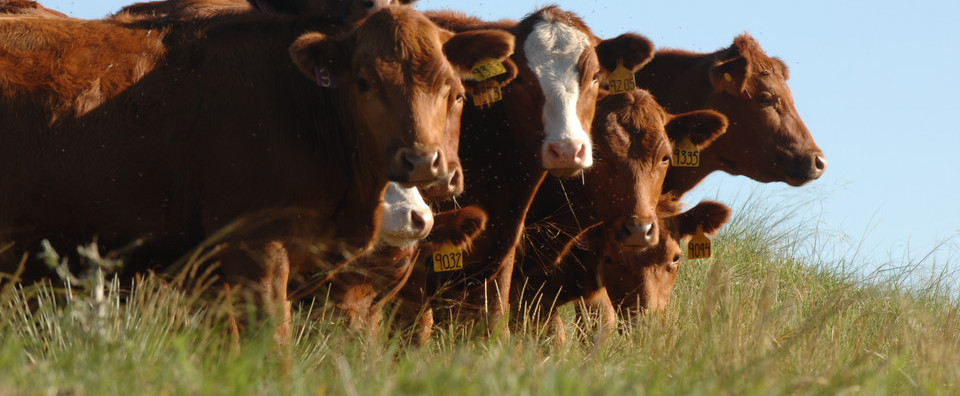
x,y
541,124
767,141
618,197
167,136
609,279
28,8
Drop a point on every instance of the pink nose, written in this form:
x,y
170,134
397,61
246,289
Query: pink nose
x,y
565,155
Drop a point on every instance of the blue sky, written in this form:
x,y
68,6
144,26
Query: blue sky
x,y
875,82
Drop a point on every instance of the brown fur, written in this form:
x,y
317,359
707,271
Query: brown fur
x,y
208,132
767,141
634,138
500,150
28,8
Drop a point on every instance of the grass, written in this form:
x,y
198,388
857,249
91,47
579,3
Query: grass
x,y
757,318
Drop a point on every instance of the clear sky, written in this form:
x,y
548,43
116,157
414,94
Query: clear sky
x,y
876,82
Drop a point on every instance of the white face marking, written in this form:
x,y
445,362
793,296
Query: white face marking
x,y
400,207
552,50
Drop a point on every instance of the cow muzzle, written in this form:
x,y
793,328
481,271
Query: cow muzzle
x,y
418,167
448,186
636,234
806,167
567,157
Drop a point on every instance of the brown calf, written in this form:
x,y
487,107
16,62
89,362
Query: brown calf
x,y
541,124
617,199
767,141
167,136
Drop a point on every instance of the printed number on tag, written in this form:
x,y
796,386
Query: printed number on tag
x,y
685,154
487,93
621,80
447,258
699,246
487,68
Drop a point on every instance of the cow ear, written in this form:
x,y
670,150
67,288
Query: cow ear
x,y
634,49
465,49
731,76
459,227
322,59
702,127
710,214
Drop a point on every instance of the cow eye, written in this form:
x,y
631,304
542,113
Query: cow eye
x,y
596,78
676,258
363,85
665,160
768,99
461,98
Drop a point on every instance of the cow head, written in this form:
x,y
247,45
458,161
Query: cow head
x,y
404,217
634,138
559,79
401,76
645,280
349,10
767,140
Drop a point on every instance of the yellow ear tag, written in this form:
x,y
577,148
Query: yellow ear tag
x,y
621,80
699,246
686,154
487,93
486,68
447,258
728,77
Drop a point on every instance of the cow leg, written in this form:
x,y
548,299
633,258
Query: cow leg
x,y
233,331
558,330
608,317
424,327
263,281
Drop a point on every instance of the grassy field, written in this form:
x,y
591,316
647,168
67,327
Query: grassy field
x,y
755,319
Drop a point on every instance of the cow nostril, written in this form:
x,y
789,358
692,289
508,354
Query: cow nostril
x,y
437,161
416,219
581,153
408,164
553,151
455,179
820,163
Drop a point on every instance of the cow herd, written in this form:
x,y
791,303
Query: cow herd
x,y
426,161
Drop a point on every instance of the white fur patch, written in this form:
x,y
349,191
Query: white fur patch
x,y
552,50
396,222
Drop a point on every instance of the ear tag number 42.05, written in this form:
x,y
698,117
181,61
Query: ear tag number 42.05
x,y
487,91
686,154
699,246
447,258
621,80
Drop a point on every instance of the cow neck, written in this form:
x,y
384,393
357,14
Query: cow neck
x,y
313,132
680,82
502,172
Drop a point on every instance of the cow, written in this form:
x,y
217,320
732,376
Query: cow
x,y
344,11
610,280
618,197
767,141
540,125
200,135
28,8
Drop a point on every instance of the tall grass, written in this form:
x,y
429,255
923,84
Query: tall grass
x,y
760,317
